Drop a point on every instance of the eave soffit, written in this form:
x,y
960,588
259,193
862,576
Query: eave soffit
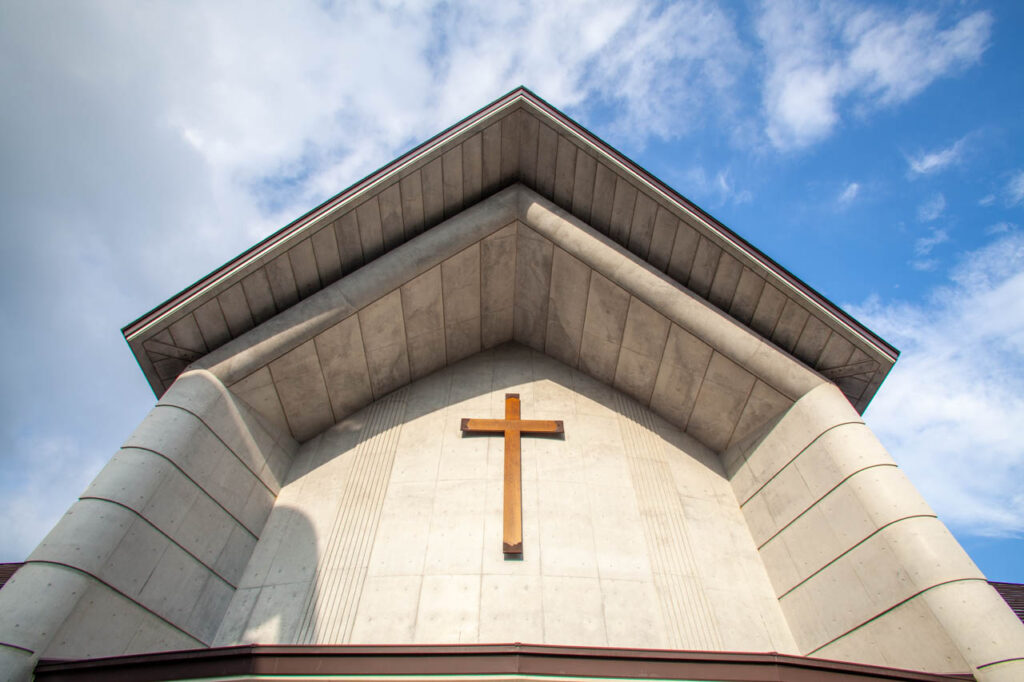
x,y
518,138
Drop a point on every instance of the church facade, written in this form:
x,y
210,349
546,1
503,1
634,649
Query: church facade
x,y
309,498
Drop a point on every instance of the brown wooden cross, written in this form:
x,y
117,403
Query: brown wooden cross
x,y
512,426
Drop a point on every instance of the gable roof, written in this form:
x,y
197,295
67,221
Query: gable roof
x,y
519,138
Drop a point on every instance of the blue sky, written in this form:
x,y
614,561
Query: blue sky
x,y
873,149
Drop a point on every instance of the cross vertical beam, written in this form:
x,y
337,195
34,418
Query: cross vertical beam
x,y
512,427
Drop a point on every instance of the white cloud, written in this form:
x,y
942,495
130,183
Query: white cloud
x,y
924,245
932,162
849,193
822,56
1015,189
146,144
714,189
951,409
987,200
931,209
1000,228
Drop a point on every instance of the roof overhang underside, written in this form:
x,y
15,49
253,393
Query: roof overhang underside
x,y
517,140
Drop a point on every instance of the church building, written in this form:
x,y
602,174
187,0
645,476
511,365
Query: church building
x,y
509,408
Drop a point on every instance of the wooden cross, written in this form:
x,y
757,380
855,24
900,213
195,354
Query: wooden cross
x,y
512,426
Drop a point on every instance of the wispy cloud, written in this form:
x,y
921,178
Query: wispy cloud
x,y
715,189
987,200
932,208
822,57
924,245
1015,189
1000,228
849,193
935,161
956,395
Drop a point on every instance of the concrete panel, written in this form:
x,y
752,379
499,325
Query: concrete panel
x,y
719,402
642,229
748,292
350,245
790,325
643,344
533,284
583,185
764,405
345,372
451,169
727,278
662,239
604,197
303,393
497,292
282,281
704,267
622,211
185,334
326,254
259,296
680,376
511,126
236,310
511,609
303,262
422,306
491,165
547,152
449,609
567,307
211,323
768,309
607,305
684,252
383,330
528,140
565,169
411,189
387,610
259,392
472,172
391,223
812,341
573,611
460,283
631,614
371,234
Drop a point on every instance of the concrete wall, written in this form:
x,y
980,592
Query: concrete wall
x,y
150,555
863,569
389,529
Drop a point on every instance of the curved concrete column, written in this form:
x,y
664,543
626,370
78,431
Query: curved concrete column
x,y
150,555
863,568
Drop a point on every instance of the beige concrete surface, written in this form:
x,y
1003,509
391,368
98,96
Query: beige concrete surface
x,y
863,569
149,557
389,528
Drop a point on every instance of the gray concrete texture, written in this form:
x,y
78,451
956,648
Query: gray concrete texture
x,y
862,567
389,527
484,278
149,557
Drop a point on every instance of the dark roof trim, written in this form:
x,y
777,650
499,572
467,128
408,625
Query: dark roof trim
x,y
396,661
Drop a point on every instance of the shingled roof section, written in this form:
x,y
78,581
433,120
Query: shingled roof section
x,y
7,571
1013,594
519,138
